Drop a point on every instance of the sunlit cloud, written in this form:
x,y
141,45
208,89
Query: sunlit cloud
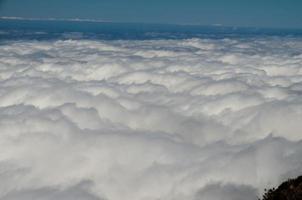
x,y
139,120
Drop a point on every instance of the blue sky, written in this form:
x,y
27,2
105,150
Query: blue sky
x,y
257,13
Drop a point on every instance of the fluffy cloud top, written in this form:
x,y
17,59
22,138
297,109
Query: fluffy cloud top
x,y
144,120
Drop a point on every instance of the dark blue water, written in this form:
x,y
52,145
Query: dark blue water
x,y
48,30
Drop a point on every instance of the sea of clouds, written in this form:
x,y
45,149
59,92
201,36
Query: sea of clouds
x,y
191,119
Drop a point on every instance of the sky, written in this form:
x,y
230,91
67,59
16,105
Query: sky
x,y
256,13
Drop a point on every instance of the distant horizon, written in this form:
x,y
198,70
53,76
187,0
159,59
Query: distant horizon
x,y
90,20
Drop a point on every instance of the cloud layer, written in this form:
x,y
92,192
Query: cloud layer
x,y
142,120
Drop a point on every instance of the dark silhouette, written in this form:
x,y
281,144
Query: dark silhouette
x,y
289,190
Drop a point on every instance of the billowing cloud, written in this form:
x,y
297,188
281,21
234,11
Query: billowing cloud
x,y
141,120
227,192
77,192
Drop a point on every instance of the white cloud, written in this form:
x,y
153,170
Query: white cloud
x,y
140,120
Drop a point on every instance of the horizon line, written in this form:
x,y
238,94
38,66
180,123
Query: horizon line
x,y
154,23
